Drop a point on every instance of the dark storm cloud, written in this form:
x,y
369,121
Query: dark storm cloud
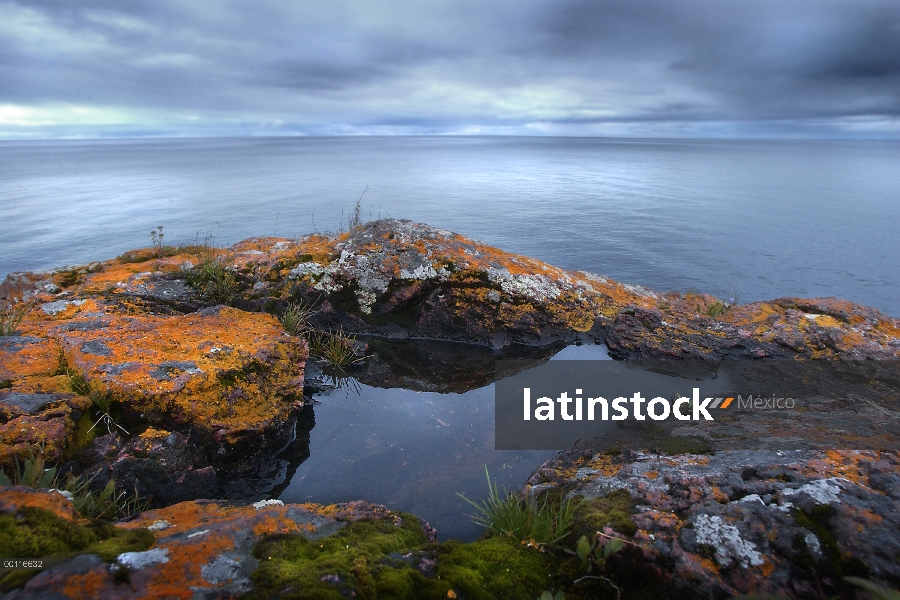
x,y
567,65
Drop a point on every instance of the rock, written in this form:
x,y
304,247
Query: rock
x,y
162,466
746,521
198,549
231,379
401,279
210,550
398,278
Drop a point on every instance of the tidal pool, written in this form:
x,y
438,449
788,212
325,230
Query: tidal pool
x,y
417,446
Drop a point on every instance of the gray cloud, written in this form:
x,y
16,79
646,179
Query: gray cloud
x,y
567,66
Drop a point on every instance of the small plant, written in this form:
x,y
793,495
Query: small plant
x,y
157,238
105,504
335,348
213,279
355,218
525,519
11,316
99,399
716,309
295,318
733,296
595,553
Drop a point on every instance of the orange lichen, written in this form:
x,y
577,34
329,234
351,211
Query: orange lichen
x,y
184,516
33,358
14,498
250,351
92,584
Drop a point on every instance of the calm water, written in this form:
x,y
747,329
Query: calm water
x,y
767,219
413,451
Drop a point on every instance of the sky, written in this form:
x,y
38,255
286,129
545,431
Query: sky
x,y
622,68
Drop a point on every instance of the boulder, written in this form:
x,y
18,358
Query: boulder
x,y
229,379
742,521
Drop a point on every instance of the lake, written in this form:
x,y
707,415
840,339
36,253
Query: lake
x,y
755,219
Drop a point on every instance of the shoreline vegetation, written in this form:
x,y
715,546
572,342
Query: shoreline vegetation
x,y
180,375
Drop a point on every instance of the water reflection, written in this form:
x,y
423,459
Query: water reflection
x,y
414,448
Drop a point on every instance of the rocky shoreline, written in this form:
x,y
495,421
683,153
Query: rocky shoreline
x,y
206,401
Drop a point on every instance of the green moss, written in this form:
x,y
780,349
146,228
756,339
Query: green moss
x,y
292,566
81,437
378,559
113,541
674,444
38,533
494,568
612,510
35,533
5,384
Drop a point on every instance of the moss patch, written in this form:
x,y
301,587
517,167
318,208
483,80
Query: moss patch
x,y
37,533
494,568
82,436
612,510
381,559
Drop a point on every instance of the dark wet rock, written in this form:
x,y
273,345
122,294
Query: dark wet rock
x,y
161,465
168,467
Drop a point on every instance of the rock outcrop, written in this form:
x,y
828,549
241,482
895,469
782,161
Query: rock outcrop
x,y
218,387
189,550
741,521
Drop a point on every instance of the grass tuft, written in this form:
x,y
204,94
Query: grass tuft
x,y
716,309
11,316
295,318
212,279
525,519
336,348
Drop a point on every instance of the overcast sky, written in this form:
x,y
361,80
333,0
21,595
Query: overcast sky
x,y
534,67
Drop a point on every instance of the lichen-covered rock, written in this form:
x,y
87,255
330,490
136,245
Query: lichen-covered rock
x,y
194,550
792,522
230,379
44,524
208,550
404,279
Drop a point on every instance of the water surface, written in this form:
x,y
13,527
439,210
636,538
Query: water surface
x,y
761,219
414,450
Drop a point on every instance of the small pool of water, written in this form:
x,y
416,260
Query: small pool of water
x,y
416,450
